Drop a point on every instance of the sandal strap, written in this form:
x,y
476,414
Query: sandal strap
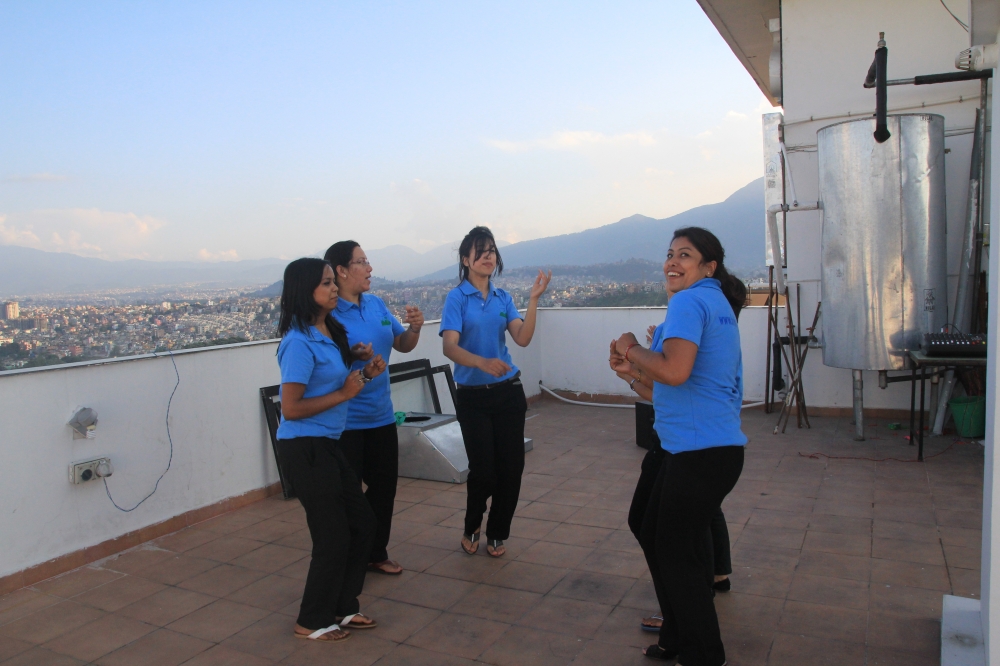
x,y
473,538
494,543
333,627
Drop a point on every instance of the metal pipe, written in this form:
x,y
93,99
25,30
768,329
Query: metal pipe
x,y
772,225
859,411
881,99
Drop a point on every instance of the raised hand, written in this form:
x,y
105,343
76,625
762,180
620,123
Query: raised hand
x,y
649,334
618,362
353,384
375,367
414,317
622,343
362,351
541,284
494,366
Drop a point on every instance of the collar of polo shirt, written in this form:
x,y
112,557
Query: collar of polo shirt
x,y
469,289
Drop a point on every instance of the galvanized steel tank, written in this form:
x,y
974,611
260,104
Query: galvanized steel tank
x,y
884,260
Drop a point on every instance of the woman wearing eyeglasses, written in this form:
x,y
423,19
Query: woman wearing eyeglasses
x,y
370,443
491,405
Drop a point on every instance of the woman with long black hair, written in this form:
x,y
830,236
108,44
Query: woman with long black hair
x,y
370,442
316,384
491,405
695,369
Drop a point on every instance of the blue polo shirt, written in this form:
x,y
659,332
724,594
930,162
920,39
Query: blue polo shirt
x,y
482,328
313,359
370,322
704,411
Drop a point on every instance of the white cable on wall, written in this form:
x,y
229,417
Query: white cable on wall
x,y
604,404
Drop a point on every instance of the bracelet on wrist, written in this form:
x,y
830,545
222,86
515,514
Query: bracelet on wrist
x,y
628,349
631,384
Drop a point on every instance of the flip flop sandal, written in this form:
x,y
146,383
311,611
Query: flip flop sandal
x,y
494,544
319,633
374,567
659,654
723,585
348,622
474,540
648,627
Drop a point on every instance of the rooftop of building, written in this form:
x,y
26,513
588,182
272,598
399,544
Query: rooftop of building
x,y
839,560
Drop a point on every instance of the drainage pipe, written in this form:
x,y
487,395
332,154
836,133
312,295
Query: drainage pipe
x,y
859,411
545,388
772,229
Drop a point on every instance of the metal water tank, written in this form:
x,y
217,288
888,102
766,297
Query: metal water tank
x,y
884,240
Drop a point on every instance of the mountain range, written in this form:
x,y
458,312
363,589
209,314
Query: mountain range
x,y
737,221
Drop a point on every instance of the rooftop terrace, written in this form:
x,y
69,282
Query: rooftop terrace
x,y
835,562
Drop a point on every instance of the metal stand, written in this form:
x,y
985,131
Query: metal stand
x,y
799,350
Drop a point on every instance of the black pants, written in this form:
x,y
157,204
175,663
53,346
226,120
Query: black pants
x,y
373,454
341,525
720,559
689,489
492,422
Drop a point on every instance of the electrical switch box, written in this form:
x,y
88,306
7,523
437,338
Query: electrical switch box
x,y
89,470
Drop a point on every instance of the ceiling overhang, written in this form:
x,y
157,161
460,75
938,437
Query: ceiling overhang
x,y
744,26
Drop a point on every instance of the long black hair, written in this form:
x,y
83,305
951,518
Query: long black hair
x,y
711,250
481,240
298,307
340,254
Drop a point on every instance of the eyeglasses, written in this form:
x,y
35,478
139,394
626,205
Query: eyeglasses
x,y
358,262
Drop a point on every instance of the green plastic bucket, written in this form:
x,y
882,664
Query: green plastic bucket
x,y
970,415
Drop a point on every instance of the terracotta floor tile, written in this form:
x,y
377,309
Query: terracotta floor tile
x,y
886,657
268,531
222,580
50,622
398,621
903,600
298,539
960,536
819,563
894,529
795,650
408,655
524,646
843,508
749,610
424,514
41,657
786,503
548,511
762,582
119,593
223,656
135,560
623,628
165,606
744,645
787,519
430,591
907,551
225,548
560,554
11,647
592,586
160,648
567,497
496,603
297,570
567,616
24,602
905,514
433,536
840,592
841,544
921,635
176,569
364,649
475,568
270,638
621,540
597,653
965,582
414,557
76,582
771,536
99,637
963,558
764,557
269,558
967,519
185,540
414,494
819,522
599,518
218,621
840,624
927,576
229,522
630,565
270,593
458,635
530,528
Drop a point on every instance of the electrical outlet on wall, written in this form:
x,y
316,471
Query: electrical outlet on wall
x,y
89,470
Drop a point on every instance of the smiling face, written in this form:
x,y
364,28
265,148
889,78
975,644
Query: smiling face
x,y
356,276
484,264
325,294
684,265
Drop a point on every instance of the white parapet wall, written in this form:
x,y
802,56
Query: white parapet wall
x,y
221,448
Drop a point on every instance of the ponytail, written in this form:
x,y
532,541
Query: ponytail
x,y
711,250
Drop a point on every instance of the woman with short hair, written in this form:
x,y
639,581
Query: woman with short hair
x,y
491,404
695,369
316,385
370,442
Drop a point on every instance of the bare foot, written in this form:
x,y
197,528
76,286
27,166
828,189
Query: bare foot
x,y
386,567
470,546
652,622
496,552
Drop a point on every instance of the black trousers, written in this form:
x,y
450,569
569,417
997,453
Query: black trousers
x,y
492,422
341,525
720,559
373,454
689,489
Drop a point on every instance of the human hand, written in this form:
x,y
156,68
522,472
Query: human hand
x,y
618,362
624,342
414,317
375,367
353,384
362,351
649,334
494,366
541,284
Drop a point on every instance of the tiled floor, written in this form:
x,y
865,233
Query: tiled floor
x,y
836,562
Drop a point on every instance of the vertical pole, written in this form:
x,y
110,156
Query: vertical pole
x,y
768,396
859,411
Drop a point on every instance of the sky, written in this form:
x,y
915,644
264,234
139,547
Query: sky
x,y
215,131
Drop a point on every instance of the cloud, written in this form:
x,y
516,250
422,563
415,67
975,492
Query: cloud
x,y
43,177
428,220
574,140
89,232
222,255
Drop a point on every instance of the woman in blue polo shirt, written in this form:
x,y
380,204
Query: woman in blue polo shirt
x,y
491,404
316,384
370,442
695,369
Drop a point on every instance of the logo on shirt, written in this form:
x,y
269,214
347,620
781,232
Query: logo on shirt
x,y
386,322
503,314
730,321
